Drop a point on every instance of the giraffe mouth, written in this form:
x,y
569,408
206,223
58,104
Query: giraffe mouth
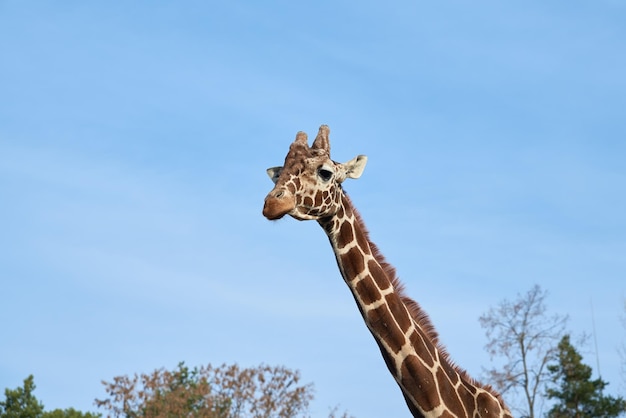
x,y
275,208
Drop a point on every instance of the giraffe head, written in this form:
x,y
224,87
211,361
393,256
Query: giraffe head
x,y
308,185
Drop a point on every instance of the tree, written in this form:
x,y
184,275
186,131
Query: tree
x,y
69,413
208,392
577,395
20,402
522,333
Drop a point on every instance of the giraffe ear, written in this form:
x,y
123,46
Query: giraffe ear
x,y
274,173
354,168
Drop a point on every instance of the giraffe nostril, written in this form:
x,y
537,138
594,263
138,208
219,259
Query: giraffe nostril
x,y
279,194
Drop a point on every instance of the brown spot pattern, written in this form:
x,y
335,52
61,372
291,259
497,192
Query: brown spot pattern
x,y
318,199
385,324
448,393
346,235
382,281
367,291
398,311
391,321
423,348
419,382
353,263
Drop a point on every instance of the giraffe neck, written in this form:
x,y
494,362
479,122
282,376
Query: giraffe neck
x,y
431,385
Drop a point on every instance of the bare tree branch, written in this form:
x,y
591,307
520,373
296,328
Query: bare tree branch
x,y
521,333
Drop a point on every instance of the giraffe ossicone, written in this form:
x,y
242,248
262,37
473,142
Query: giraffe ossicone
x,y
308,187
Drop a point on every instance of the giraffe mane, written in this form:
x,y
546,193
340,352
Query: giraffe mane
x,y
415,310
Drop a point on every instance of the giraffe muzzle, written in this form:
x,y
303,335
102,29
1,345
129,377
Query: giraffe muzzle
x,y
278,203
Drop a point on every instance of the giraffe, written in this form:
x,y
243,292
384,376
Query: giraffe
x,y
308,187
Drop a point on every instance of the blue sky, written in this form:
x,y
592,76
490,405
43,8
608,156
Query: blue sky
x,y
134,140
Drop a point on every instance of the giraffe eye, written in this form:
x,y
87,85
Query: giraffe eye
x,y
324,174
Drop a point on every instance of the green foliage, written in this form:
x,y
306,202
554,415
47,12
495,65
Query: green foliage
x,y
205,392
69,413
21,403
576,394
